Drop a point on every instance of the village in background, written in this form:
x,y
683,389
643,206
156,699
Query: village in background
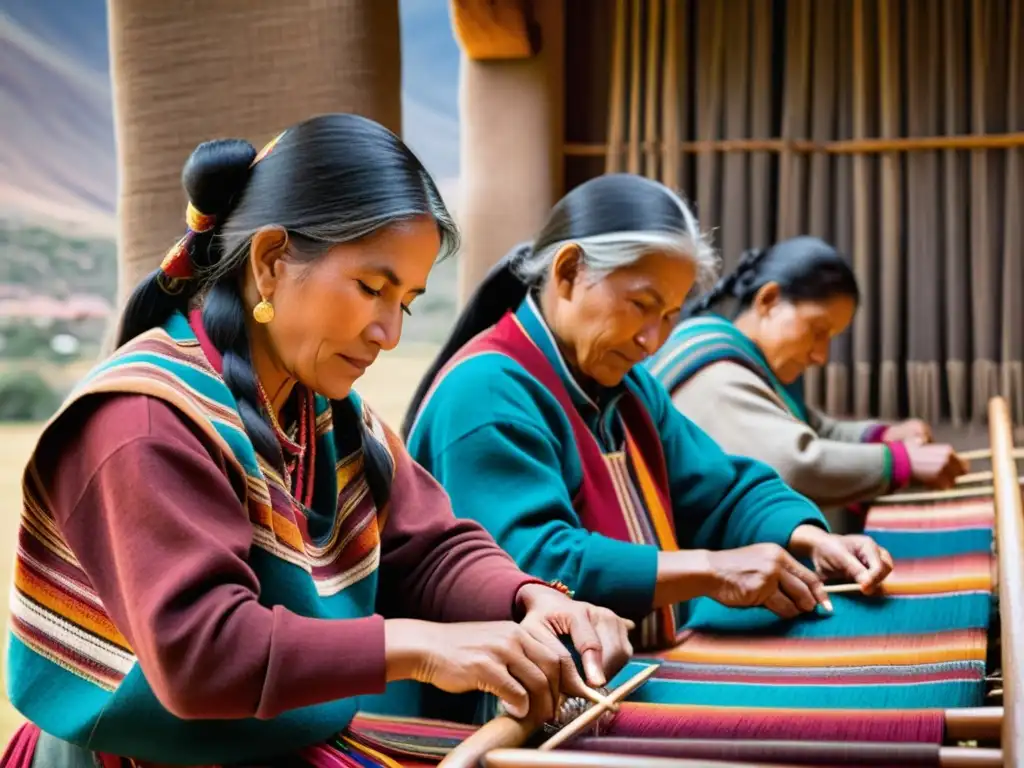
x,y
58,189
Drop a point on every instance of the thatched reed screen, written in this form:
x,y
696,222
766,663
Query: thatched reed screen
x,y
893,128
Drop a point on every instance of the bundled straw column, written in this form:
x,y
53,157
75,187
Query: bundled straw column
x,y
511,102
187,72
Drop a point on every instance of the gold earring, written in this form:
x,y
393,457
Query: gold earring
x,y
263,312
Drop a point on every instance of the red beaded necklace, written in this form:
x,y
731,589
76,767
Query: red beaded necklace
x,y
299,453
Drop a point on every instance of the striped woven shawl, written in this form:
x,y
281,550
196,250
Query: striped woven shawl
x,y
699,342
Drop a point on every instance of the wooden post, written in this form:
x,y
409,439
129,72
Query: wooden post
x,y
511,142
192,71
1009,551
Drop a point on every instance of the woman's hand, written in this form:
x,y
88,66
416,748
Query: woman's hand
x,y
525,665
911,432
764,574
497,657
854,557
935,465
598,635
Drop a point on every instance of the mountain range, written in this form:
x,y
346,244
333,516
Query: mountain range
x,y
57,147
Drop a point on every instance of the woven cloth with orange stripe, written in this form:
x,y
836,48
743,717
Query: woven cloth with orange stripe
x,y
879,669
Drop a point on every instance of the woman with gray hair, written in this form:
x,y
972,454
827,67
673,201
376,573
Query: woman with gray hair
x,y
541,426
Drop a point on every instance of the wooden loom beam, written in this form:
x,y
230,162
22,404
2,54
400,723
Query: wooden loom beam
x,y
860,146
494,30
948,757
874,754
1010,556
529,758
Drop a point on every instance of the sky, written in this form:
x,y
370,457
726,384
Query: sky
x,y
57,154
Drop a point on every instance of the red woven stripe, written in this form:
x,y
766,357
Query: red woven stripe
x,y
681,722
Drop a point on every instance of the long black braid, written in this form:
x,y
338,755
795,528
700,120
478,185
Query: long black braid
x,y
732,284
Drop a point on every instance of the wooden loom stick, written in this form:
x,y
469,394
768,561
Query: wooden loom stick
x,y
947,757
635,84
839,589
505,732
580,723
1010,554
616,96
798,752
986,453
979,477
531,758
501,732
974,724
974,477
956,493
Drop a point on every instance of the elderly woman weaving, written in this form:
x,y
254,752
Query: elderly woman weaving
x,y
740,380
540,425
222,548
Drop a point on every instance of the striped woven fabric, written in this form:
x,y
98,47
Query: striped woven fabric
x,y
370,741
414,741
879,669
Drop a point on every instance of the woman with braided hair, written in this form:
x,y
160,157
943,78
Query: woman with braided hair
x,y
740,379
222,548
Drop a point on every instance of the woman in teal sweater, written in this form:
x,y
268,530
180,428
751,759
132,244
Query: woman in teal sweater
x,y
541,426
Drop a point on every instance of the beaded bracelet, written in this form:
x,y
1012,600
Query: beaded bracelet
x,y
561,588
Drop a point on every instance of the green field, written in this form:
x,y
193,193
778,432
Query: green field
x,y
387,386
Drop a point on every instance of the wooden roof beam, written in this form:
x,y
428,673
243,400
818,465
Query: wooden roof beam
x,y
495,29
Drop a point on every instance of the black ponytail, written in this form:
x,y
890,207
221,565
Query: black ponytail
x,y
224,322
501,291
805,269
213,177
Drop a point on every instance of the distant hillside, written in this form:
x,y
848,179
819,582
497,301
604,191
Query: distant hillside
x,y
39,261
57,155
58,175
47,263
57,158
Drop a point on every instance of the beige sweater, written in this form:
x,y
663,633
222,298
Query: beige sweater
x,y
825,461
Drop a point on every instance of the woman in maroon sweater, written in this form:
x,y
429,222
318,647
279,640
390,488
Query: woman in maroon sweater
x,y
221,546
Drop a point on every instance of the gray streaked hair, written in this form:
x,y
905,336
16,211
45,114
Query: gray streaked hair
x,y
615,220
606,251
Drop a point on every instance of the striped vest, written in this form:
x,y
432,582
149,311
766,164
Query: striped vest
x,y
702,341
70,670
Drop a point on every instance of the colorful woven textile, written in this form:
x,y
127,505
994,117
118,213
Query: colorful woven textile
x,y
878,669
409,738
369,742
